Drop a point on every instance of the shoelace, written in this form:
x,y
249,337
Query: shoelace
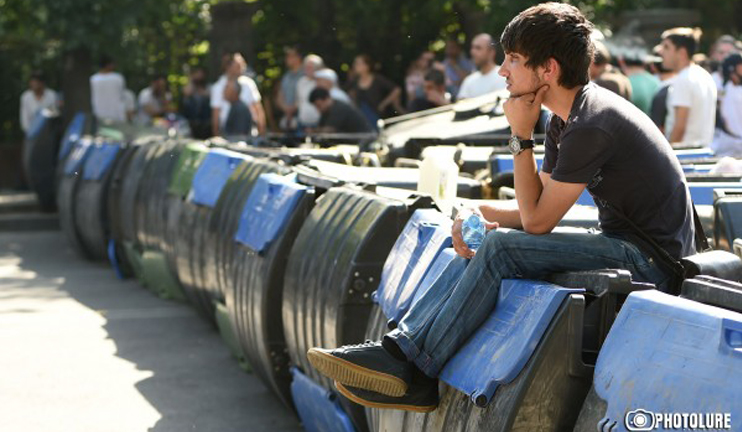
x,y
368,344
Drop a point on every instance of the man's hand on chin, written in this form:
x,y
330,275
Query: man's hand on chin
x,y
523,111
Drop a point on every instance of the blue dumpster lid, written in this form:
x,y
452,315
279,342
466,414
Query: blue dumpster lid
x,y
318,409
100,159
78,155
498,351
73,133
427,233
666,354
268,209
213,174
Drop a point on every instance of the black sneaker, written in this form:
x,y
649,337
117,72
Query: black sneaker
x,y
366,366
421,398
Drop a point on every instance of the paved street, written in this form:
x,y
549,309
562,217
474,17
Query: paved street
x,y
82,351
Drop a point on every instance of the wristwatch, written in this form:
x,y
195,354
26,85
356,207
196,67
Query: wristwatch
x,y
517,145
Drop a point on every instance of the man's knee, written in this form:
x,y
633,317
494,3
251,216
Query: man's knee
x,y
495,241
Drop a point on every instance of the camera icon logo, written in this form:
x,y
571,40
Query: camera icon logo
x,y
639,420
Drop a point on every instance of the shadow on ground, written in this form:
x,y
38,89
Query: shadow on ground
x,y
195,384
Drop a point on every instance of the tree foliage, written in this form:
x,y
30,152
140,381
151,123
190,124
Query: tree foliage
x,y
161,36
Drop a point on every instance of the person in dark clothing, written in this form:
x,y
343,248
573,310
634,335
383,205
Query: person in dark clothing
x,y
597,141
239,119
374,94
196,104
435,92
336,115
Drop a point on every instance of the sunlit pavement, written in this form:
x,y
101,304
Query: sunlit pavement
x,y
83,351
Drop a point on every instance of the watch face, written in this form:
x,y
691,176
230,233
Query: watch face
x,y
514,145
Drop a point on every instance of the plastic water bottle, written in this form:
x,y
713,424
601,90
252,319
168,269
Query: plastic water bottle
x,y
473,231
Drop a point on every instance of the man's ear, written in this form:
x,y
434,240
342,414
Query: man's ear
x,y
551,70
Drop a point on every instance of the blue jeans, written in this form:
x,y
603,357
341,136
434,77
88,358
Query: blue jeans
x,y
450,311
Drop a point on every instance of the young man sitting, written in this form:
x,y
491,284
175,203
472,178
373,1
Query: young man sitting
x,y
596,140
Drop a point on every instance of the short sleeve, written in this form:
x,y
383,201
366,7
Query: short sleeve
x,y
582,152
552,139
249,93
217,96
681,94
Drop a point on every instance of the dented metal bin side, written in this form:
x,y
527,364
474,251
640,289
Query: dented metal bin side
x,y
334,266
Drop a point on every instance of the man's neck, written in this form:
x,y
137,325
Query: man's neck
x,y
487,68
559,100
683,64
39,93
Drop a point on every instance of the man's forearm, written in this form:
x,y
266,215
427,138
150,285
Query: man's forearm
x,y
215,122
678,131
506,213
528,186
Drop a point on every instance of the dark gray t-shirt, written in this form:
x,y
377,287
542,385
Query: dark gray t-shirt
x,y
344,118
626,162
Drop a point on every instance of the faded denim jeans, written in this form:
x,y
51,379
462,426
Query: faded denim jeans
x,y
450,311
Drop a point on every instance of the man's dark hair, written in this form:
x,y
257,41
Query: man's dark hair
x,y
105,61
552,30
294,48
684,37
436,77
38,76
318,93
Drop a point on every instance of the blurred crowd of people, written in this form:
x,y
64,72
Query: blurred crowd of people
x,y
692,97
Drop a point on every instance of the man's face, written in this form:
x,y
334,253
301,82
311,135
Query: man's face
x,y
309,69
520,78
481,52
453,50
670,55
35,85
736,75
292,58
322,105
431,89
721,51
237,67
324,83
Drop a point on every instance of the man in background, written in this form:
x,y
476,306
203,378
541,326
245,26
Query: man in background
x,y
643,84
107,92
234,67
435,94
154,100
38,97
486,79
286,99
691,101
307,113
327,79
337,116
605,75
457,66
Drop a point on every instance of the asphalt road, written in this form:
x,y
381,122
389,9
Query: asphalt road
x,y
82,351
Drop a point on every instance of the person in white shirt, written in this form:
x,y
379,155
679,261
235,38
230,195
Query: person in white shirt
x,y
35,99
154,100
327,79
691,101
721,49
486,79
234,68
308,114
728,137
107,93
